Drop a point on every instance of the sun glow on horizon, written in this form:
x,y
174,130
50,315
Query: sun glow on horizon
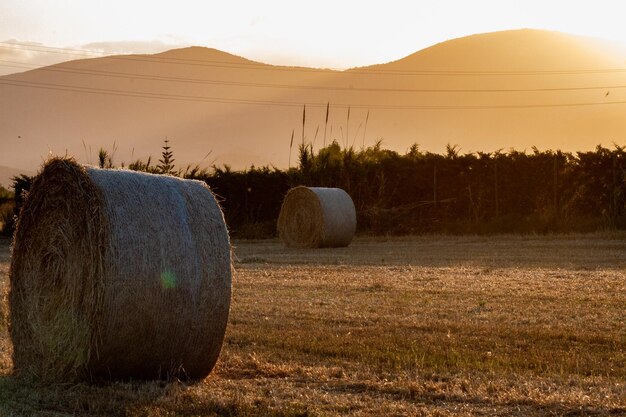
x,y
326,34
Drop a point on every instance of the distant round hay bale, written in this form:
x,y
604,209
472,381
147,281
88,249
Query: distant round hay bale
x,y
118,275
316,217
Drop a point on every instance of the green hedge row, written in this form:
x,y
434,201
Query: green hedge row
x,y
423,192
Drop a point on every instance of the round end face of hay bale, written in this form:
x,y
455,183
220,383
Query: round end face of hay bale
x,y
339,216
300,222
317,217
168,278
56,274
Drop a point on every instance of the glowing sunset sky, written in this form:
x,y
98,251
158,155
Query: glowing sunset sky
x,y
322,33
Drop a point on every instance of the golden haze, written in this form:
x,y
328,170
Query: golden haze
x,y
187,96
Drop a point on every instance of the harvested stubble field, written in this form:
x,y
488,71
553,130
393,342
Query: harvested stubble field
x,y
463,326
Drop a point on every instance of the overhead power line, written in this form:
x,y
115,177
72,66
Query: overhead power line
x,y
224,100
268,67
148,77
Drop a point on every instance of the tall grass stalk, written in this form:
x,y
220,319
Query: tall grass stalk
x,y
326,122
303,122
293,131
367,118
87,154
356,134
315,137
348,128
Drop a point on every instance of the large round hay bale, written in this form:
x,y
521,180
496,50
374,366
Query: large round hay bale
x,y
316,217
117,274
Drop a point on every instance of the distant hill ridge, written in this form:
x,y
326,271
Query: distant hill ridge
x,y
515,50
200,53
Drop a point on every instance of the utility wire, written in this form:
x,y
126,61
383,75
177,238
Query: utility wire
x,y
223,100
131,75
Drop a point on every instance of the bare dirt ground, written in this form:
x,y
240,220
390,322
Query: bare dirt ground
x,y
459,326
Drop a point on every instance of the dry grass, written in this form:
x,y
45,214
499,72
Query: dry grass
x,y
517,326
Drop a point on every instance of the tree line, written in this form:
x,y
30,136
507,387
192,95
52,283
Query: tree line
x,y
423,192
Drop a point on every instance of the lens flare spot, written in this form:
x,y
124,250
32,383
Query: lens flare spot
x,y
168,279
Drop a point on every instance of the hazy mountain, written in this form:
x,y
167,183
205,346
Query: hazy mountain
x,y
515,50
244,112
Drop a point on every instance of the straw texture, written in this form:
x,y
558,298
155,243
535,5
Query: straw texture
x,y
316,217
118,274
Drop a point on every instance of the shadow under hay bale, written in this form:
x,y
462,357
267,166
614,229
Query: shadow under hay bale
x,y
116,275
316,217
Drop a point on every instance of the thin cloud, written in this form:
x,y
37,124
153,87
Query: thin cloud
x,y
19,56
130,47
